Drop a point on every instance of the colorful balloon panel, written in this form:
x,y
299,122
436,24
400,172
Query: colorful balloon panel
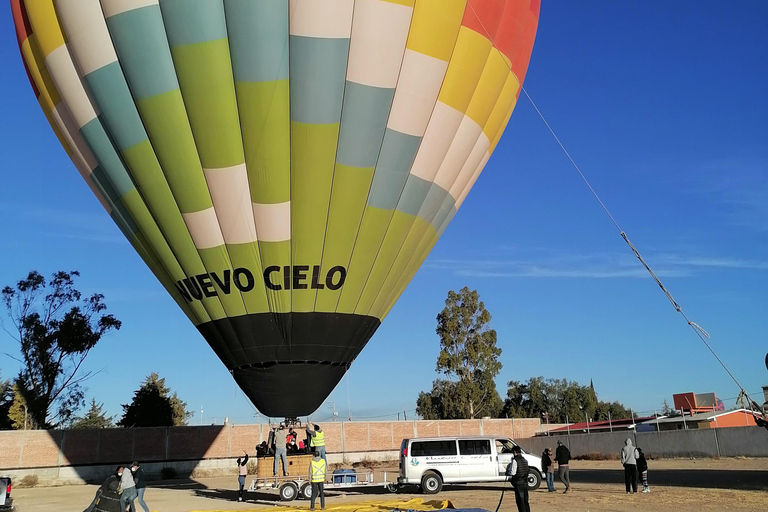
x,y
283,167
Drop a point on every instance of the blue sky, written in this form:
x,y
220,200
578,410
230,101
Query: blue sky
x,y
663,106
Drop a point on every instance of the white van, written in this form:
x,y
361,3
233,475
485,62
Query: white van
x,y
432,461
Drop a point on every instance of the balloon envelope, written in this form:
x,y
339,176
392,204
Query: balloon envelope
x,y
283,167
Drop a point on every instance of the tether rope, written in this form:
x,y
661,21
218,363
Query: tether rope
x,y
700,332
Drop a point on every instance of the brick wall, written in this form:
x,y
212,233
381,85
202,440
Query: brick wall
x,y
61,448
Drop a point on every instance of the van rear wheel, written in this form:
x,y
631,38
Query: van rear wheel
x,y
534,480
431,483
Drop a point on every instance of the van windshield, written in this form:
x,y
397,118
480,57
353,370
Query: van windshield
x,y
504,446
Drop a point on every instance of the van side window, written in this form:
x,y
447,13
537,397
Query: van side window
x,y
474,447
433,448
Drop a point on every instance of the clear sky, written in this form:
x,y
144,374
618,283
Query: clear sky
x,y
663,105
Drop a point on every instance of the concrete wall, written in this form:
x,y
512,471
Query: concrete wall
x,y
713,442
86,455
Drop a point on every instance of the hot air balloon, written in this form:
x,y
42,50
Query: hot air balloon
x,y
282,167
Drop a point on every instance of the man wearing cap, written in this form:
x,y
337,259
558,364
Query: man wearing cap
x,y
517,473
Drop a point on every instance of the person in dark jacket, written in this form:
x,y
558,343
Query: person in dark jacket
x,y
107,498
141,484
563,458
548,468
242,472
517,473
642,469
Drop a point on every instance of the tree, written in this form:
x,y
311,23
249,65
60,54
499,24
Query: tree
x,y
612,410
154,406
562,401
451,400
6,399
469,357
95,417
56,331
19,413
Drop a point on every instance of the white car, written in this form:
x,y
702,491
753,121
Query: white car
x,y
431,462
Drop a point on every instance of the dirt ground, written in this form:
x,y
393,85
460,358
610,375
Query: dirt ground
x,y
703,485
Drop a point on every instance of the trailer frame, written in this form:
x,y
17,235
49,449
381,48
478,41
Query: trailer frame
x,y
292,487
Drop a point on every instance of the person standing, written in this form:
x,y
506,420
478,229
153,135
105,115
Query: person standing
x,y
548,468
642,469
317,442
141,484
629,456
317,472
517,473
128,490
242,472
281,453
563,458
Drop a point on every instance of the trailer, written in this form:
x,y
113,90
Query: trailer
x,y
291,487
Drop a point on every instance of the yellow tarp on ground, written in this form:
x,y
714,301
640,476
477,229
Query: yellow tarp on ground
x,y
363,506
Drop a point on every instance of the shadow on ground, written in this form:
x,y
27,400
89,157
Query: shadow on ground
x,y
696,478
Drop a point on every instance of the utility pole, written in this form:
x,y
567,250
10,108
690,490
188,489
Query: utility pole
x,y
332,405
405,417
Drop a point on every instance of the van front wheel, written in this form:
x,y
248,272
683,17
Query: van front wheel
x,y
534,480
431,483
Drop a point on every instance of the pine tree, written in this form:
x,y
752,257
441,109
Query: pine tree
x,y
95,417
153,405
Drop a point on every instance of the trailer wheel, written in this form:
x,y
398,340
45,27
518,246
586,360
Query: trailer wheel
x,y
431,483
288,491
306,491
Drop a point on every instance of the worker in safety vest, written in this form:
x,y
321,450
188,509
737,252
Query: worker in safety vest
x,y
317,440
317,472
